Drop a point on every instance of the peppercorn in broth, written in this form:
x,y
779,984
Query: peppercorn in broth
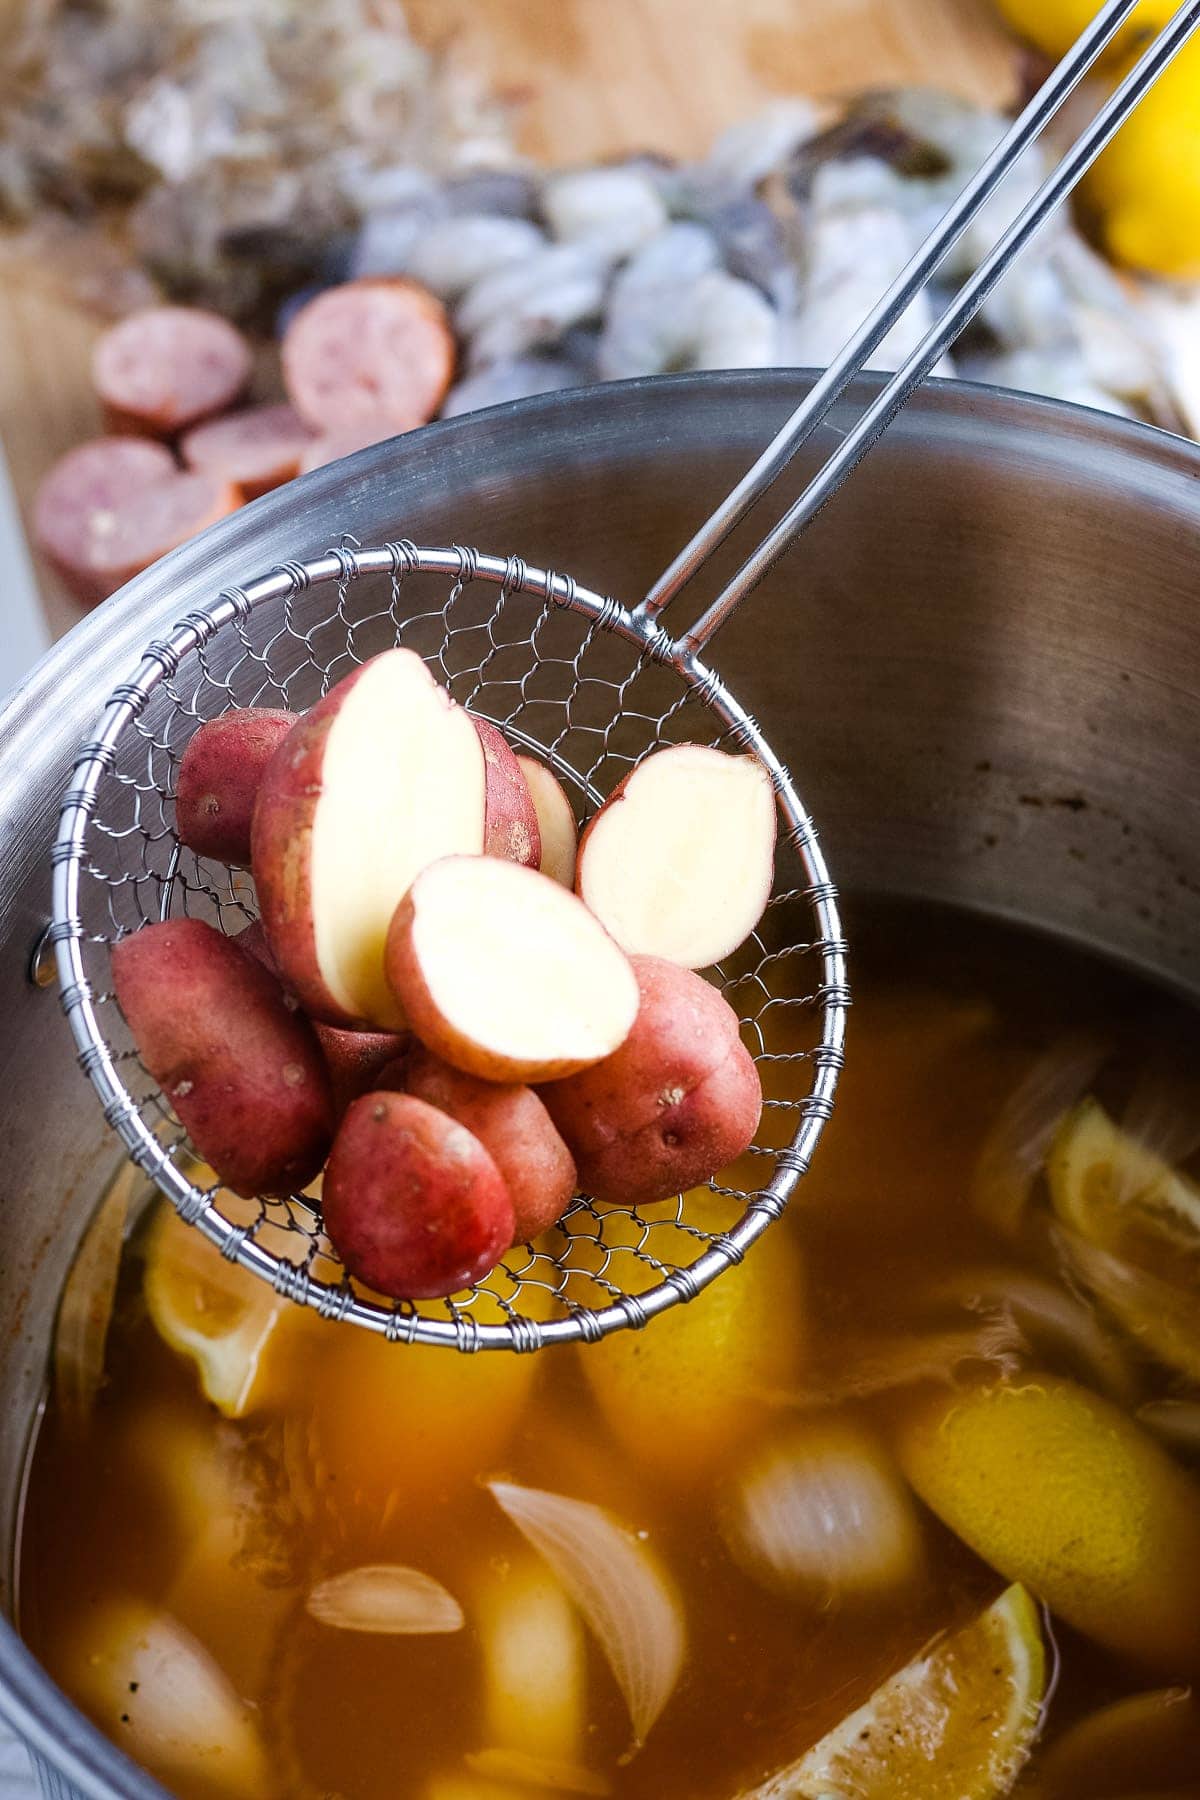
x,y
923,1473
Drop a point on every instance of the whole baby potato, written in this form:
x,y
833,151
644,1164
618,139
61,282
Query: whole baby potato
x,y
219,779
677,1101
413,1203
355,1059
241,1067
511,1123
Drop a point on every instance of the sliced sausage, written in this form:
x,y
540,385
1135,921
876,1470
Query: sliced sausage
x,y
329,446
79,496
113,506
379,347
156,519
257,449
166,367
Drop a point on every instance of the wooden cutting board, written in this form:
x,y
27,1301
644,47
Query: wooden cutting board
x,y
587,78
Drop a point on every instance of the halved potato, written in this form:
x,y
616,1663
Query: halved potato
x,y
680,860
510,827
383,776
503,973
556,821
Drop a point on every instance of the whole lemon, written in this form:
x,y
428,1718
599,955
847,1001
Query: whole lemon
x,y
1058,1489
1143,193
680,1396
1053,25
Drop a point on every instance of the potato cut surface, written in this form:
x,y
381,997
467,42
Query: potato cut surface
x,y
384,775
680,861
556,821
505,974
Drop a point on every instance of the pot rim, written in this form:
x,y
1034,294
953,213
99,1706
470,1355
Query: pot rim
x,y
31,1703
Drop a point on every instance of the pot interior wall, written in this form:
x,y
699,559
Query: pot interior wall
x,y
979,664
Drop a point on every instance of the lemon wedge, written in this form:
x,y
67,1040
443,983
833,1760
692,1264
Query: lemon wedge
x,y
1133,1232
244,1340
1059,1489
957,1723
681,1396
389,1426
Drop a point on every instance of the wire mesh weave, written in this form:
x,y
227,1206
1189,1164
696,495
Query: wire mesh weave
x,y
571,677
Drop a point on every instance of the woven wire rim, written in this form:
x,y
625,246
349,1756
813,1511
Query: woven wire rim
x,y
339,1299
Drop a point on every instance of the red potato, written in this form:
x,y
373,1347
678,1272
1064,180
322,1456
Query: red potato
x,y
253,940
510,825
675,1103
167,367
257,449
73,510
556,821
503,973
357,1061
219,779
413,1204
680,860
383,776
514,1128
242,1069
378,347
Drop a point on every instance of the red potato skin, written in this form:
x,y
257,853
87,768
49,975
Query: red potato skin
x,y
510,824
357,1060
281,849
679,1100
219,779
513,1126
413,1204
254,942
242,1069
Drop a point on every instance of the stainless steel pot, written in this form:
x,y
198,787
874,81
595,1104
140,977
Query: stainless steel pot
x,y
981,664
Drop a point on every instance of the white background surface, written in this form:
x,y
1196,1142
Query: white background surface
x,y
23,634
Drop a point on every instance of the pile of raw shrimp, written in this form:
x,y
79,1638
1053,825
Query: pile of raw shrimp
x,y
764,254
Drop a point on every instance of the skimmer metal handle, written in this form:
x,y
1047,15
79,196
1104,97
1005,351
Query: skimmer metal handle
x,y
800,427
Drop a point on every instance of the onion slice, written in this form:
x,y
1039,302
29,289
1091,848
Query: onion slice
x,y
537,1772
1051,1319
824,1513
1160,1317
880,1364
85,1311
1175,1422
619,1586
1015,1148
386,1598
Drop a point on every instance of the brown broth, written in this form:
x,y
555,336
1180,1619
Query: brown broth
x,y
947,1015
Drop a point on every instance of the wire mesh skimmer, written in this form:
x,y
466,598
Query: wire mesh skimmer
x,y
590,686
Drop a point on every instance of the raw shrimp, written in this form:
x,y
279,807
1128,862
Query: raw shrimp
x,y
453,254
531,303
614,209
